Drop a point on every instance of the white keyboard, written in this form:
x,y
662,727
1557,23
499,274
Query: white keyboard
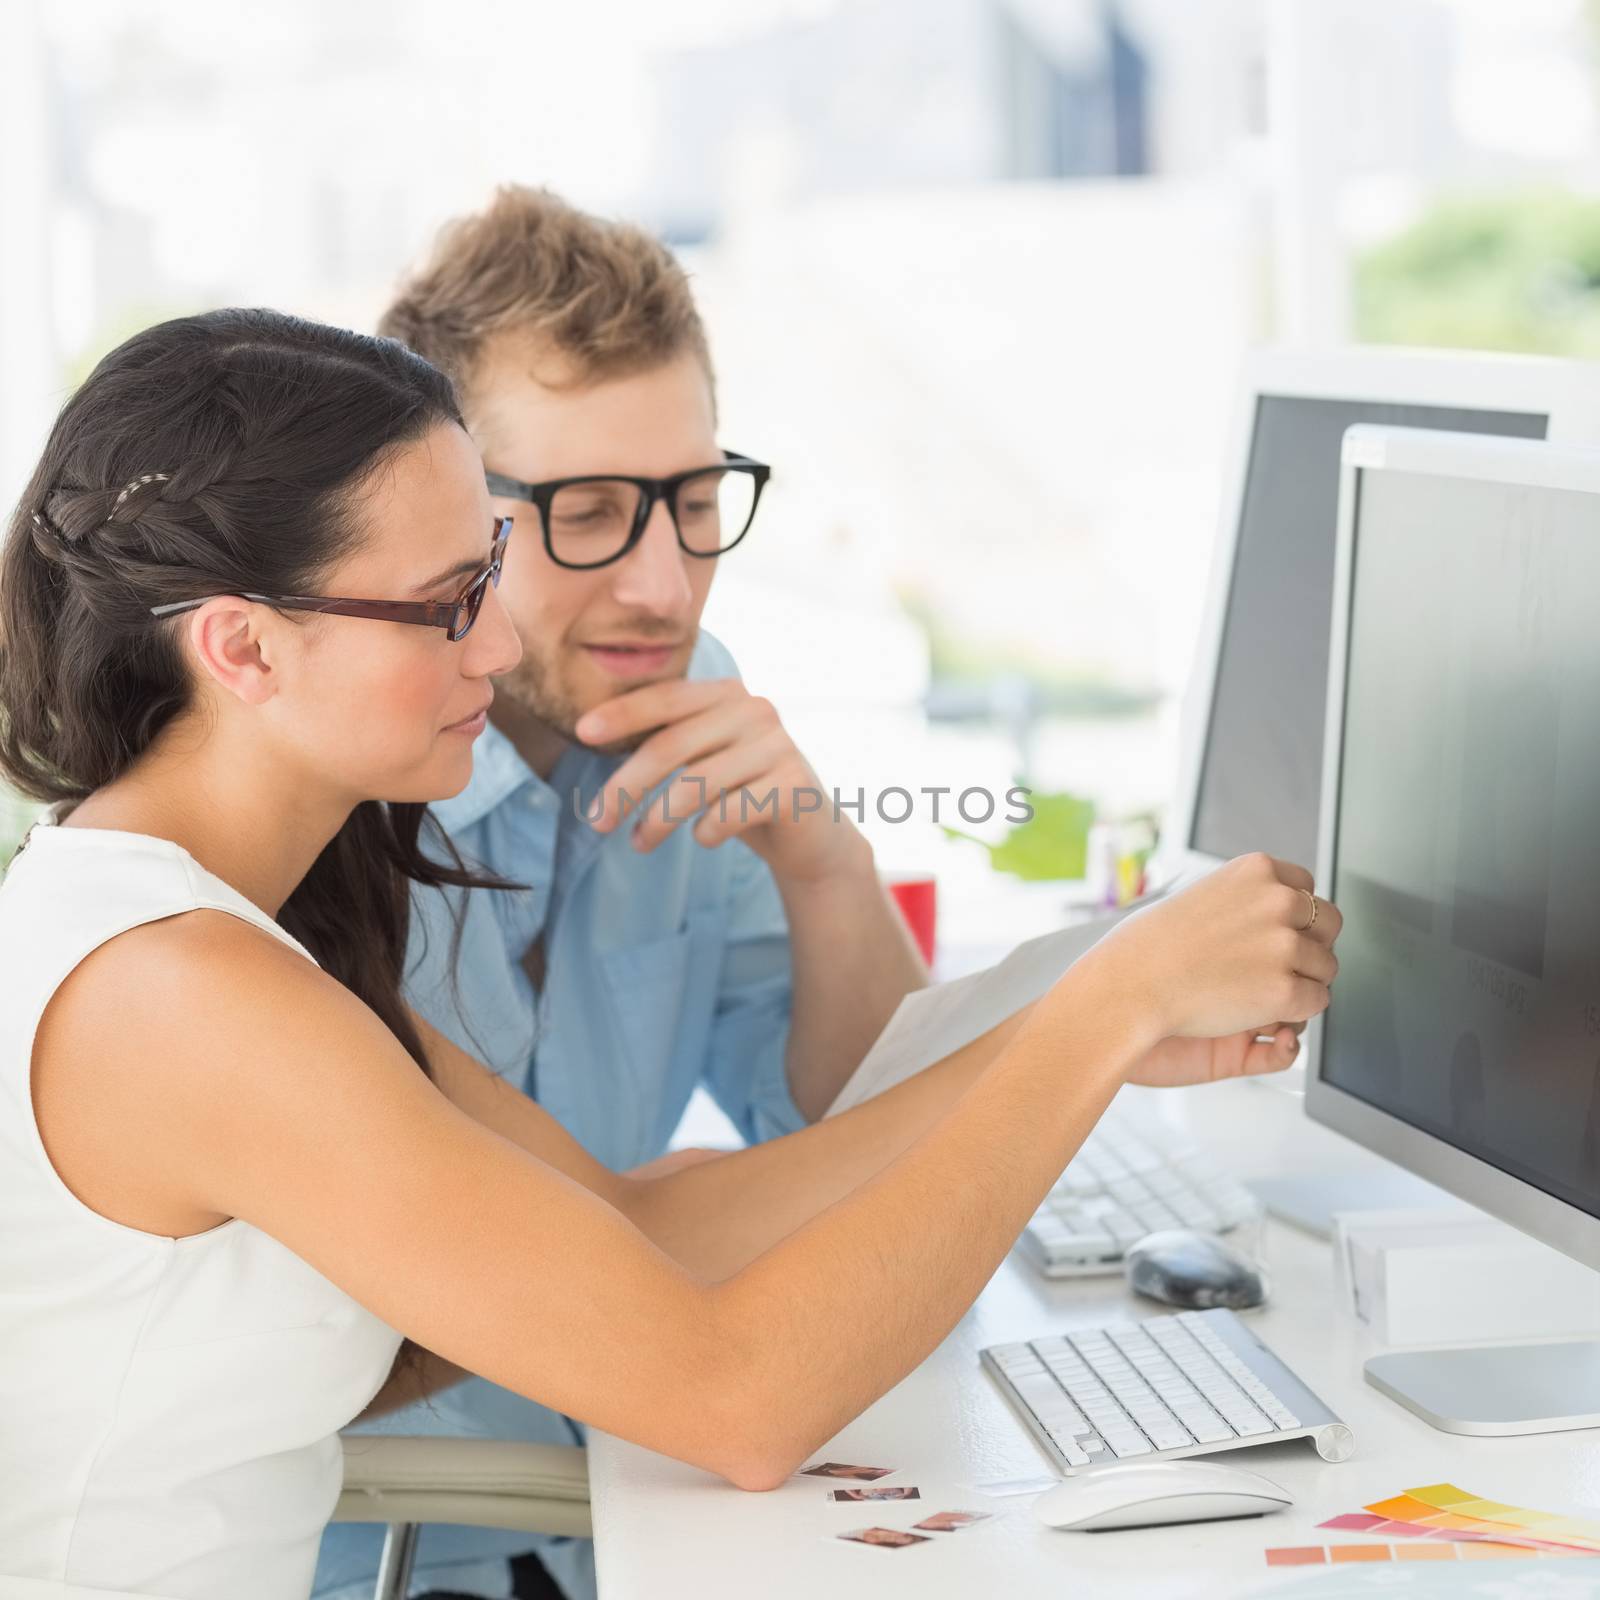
x,y
1183,1385
1123,1184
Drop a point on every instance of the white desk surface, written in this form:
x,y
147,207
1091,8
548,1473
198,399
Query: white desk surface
x,y
664,1530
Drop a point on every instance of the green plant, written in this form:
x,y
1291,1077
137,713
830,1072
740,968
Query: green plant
x,y
1514,271
1053,843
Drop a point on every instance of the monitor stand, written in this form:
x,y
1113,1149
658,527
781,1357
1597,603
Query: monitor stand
x,y
1496,1389
1310,1200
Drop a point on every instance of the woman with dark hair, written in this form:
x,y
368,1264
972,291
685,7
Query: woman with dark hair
x,y
247,631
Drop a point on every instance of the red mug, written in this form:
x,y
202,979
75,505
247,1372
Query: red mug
x,y
916,894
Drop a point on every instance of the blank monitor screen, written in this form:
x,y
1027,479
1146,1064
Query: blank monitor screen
x,y
1467,851
1261,775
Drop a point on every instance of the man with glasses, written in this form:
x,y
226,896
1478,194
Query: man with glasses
x,y
744,944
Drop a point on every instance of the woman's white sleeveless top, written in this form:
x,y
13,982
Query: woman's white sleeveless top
x,y
168,1407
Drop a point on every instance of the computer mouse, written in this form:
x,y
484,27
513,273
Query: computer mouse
x,y
1146,1494
1197,1271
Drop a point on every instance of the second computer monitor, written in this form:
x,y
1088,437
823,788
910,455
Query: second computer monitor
x,y
1250,772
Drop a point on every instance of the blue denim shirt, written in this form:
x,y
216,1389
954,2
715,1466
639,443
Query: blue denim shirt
x,y
662,972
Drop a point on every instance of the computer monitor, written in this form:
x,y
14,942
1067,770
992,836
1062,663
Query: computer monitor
x,y
1249,774
1461,840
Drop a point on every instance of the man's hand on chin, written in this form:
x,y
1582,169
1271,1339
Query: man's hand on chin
x,y
736,774
739,775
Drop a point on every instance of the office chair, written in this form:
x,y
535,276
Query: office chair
x,y
485,1483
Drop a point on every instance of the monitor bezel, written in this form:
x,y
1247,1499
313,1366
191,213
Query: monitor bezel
x,y
1491,459
1566,393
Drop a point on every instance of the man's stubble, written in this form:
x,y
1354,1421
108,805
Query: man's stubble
x,y
540,691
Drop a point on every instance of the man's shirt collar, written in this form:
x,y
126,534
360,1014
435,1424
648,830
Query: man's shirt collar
x,y
497,773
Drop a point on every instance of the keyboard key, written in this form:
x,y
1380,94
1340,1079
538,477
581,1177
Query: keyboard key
x,y
1134,1444
1077,1181
1040,1390
1169,1436
1207,1427
1073,1382
1097,1246
1010,1355
1072,1453
1252,1426
1029,1365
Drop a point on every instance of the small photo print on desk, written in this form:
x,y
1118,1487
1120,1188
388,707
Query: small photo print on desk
x,y
888,1491
950,1521
841,1469
889,1538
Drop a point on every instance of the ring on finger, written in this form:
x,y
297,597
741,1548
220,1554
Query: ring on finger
x,y
1310,921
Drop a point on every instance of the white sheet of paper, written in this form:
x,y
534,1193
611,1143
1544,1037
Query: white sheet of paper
x,y
930,1023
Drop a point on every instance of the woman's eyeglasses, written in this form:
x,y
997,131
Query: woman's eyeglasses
x,y
595,520
455,616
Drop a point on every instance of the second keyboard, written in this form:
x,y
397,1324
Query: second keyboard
x,y
1122,1184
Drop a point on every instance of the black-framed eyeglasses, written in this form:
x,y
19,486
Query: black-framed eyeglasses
x,y
455,616
594,520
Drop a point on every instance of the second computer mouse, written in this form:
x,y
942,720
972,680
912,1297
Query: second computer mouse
x,y
1197,1271
1145,1494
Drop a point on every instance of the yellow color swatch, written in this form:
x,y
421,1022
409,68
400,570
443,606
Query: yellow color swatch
x,y
1449,1508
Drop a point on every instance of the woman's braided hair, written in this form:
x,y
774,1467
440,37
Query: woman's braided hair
x,y
212,454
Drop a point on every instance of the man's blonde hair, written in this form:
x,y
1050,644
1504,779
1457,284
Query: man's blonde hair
x,y
604,298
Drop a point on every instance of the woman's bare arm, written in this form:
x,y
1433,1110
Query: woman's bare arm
x,y
719,1221
718,1216
284,1101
